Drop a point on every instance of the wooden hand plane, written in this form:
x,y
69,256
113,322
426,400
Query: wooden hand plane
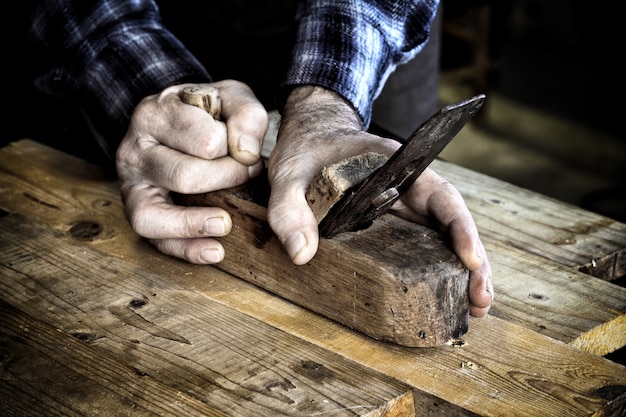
x,y
386,277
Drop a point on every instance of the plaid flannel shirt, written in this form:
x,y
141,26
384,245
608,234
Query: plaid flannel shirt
x,y
109,54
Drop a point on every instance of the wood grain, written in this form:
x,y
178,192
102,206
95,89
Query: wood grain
x,y
535,260
215,354
367,280
550,229
508,363
191,349
48,372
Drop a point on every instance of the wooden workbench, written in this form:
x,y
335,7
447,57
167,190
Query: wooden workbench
x,y
94,321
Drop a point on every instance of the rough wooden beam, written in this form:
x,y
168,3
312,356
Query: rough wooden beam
x,y
395,281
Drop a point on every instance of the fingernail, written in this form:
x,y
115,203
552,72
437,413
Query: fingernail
x,y
294,243
214,226
250,144
256,169
211,256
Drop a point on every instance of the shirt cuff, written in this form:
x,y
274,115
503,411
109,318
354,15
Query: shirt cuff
x,y
343,54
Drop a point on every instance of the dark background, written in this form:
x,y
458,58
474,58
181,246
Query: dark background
x,y
558,56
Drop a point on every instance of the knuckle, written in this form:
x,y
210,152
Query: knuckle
x,y
138,222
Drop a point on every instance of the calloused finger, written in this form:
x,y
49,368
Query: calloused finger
x,y
176,171
197,251
152,215
295,225
481,291
246,120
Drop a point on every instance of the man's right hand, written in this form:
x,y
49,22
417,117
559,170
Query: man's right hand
x,y
320,128
173,146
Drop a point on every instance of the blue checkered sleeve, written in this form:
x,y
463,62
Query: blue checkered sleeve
x,y
108,56
352,46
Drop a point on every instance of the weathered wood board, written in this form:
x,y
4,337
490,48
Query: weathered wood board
x,y
219,356
545,255
48,372
540,225
535,260
149,345
506,364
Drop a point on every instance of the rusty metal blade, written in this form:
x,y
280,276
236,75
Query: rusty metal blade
x,y
376,194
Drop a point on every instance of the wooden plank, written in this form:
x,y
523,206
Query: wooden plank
x,y
540,291
179,337
543,226
501,368
550,299
524,231
208,352
498,362
47,372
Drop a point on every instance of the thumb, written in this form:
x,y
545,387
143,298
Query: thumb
x,y
246,121
295,225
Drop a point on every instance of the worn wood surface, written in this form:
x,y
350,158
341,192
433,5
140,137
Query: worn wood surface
x,y
541,226
538,248
508,363
536,245
50,372
367,280
191,350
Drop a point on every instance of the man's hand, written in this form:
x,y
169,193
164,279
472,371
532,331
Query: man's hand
x,y
319,128
173,146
